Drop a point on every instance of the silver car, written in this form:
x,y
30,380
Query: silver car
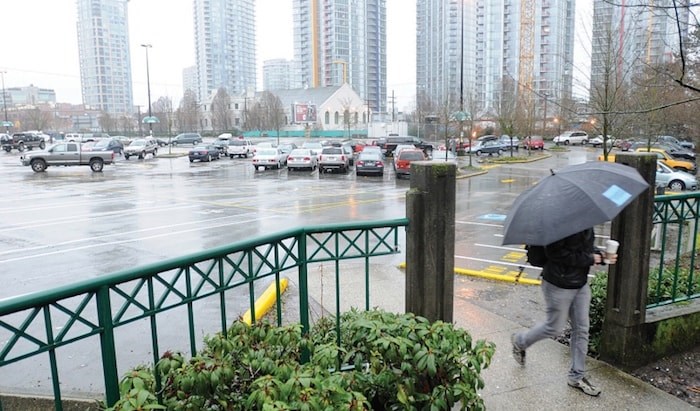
x,y
674,180
301,158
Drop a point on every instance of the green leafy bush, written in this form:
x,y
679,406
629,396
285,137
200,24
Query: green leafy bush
x,y
389,361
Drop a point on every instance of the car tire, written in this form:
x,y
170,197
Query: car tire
x,y
191,160
38,165
174,144
208,158
566,143
584,142
478,153
676,185
20,147
8,149
42,145
155,152
96,165
126,156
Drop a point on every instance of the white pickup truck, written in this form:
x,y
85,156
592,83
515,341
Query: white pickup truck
x,y
67,154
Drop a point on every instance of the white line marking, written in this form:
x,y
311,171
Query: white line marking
x,y
475,223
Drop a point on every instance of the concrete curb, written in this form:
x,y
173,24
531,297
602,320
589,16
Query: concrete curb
x,y
489,276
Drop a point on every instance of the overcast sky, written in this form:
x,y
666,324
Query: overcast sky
x,y
39,44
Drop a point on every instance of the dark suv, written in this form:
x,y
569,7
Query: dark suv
x,y
22,141
389,144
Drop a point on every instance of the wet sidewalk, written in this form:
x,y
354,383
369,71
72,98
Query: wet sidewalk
x,y
541,383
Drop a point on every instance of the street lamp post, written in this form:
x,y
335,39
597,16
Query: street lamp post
x,y
4,102
148,85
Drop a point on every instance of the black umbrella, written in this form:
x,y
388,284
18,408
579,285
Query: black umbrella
x,y
570,200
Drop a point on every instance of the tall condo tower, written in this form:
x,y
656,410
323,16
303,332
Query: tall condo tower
x,y
224,46
342,41
634,35
105,61
501,44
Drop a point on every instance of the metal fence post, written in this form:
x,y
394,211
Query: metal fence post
x,y
107,347
430,240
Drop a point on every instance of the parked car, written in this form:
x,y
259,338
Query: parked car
x,y
510,142
204,152
22,141
673,149
685,144
372,149
222,145
315,146
66,154
402,163
302,158
572,137
140,147
186,138
271,157
487,147
673,179
669,160
533,143
240,147
109,144
334,158
400,147
161,142
388,144
369,163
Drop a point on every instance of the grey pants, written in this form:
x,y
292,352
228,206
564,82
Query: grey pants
x,y
563,304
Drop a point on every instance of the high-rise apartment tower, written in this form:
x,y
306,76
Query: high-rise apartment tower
x,y
485,36
342,41
224,46
105,61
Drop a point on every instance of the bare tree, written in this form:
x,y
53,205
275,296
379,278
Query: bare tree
x,y
220,109
35,119
163,110
106,122
188,113
272,111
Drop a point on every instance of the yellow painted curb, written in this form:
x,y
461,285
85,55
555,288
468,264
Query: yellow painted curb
x,y
266,301
488,276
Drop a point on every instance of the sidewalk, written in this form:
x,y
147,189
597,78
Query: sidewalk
x,y
541,384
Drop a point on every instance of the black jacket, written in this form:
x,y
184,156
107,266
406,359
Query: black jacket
x,y
569,260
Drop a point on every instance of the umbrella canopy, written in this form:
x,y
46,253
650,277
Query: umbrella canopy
x,y
571,200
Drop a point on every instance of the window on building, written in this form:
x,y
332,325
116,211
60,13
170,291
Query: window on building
x,y
337,117
328,117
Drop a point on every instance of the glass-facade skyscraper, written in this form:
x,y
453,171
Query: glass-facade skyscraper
x,y
105,60
224,46
631,37
487,35
337,41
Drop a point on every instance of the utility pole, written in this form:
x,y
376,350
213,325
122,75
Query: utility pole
x,y
148,84
393,107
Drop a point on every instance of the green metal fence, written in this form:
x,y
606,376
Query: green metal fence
x,y
673,276
46,322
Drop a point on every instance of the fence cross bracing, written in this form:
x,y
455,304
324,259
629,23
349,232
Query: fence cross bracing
x,y
90,312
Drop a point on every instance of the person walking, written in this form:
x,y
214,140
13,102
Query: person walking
x,y
567,295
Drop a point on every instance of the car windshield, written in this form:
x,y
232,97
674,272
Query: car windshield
x,y
369,157
138,143
333,150
267,152
300,152
201,148
237,143
411,155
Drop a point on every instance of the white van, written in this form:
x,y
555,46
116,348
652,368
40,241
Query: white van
x,y
572,137
73,137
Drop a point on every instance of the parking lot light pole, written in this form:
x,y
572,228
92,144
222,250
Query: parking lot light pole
x,y
148,85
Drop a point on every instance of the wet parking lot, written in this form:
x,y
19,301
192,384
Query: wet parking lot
x,y
70,224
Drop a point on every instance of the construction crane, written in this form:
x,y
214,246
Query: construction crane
x,y
527,45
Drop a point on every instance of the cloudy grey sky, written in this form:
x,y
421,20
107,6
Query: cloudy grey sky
x,y
40,44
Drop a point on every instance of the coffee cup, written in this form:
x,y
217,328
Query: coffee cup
x,y
610,249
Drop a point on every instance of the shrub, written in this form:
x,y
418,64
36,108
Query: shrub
x,y
389,361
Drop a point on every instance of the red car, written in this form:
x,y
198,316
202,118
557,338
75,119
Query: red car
x,y
402,163
533,143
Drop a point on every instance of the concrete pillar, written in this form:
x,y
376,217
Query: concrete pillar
x,y
623,330
430,240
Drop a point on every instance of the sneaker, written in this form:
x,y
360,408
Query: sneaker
x,y
518,353
584,385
